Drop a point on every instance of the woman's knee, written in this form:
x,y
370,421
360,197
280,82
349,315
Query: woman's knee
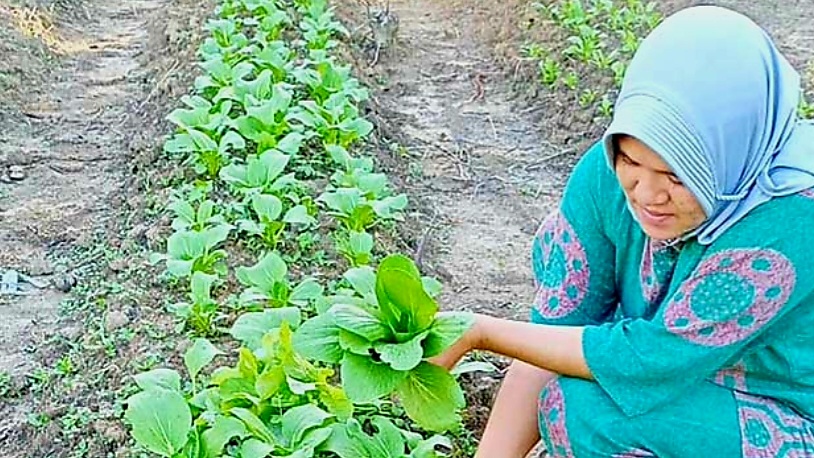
x,y
578,419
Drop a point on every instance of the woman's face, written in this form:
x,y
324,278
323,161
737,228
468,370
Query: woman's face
x,y
664,207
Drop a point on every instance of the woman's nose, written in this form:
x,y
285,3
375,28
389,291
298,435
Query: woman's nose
x,y
649,190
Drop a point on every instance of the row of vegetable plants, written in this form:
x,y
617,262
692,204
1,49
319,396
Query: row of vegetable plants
x,y
596,37
269,140
600,37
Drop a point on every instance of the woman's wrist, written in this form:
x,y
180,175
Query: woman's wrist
x,y
479,334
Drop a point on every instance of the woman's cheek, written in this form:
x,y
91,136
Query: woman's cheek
x,y
623,175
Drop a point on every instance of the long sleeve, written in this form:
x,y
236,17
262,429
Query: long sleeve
x,y
572,257
736,294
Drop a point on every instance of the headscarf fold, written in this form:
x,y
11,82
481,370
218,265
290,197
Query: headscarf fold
x,y
711,94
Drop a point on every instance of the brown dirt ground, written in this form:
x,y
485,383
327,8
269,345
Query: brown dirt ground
x,y
486,155
86,88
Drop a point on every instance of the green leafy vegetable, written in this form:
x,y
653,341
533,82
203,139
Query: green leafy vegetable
x,y
161,378
432,397
199,355
268,284
200,312
366,380
161,420
250,327
194,251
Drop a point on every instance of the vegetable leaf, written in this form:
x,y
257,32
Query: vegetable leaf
x,y
365,380
167,379
201,353
431,397
250,327
402,356
254,448
222,431
336,400
269,270
363,281
298,420
269,382
358,321
402,298
306,291
447,328
161,420
318,339
253,424
354,343
299,215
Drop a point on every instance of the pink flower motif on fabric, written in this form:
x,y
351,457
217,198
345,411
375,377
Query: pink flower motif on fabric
x,y
732,377
731,296
770,429
563,276
551,408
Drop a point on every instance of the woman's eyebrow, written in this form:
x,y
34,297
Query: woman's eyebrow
x,y
620,152
669,172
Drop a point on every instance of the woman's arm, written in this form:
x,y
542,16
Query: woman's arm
x,y
553,348
513,429
540,352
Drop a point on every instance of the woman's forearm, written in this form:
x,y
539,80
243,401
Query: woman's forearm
x,y
553,348
512,429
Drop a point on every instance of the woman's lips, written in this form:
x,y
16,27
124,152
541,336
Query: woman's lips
x,y
653,218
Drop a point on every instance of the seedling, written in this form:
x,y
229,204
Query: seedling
x,y
268,285
200,313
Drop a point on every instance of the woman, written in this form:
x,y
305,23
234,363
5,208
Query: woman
x,y
674,315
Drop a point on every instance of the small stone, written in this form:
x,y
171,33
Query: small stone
x,y
54,411
16,173
4,178
71,333
154,234
111,431
117,201
115,320
64,282
118,265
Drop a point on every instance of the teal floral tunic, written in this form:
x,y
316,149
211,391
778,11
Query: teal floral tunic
x,y
695,350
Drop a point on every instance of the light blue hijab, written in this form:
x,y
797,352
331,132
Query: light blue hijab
x,y
712,95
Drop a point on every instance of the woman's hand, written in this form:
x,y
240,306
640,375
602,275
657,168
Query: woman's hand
x,y
471,340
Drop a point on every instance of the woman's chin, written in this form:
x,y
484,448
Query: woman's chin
x,y
660,233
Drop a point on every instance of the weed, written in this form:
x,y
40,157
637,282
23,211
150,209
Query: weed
x,y
5,384
550,72
37,420
65,366
571,81
806,109
533,51
605,107
38,379
588,97
75,420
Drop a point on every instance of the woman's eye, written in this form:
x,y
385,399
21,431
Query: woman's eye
x,y
627,160
675,180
